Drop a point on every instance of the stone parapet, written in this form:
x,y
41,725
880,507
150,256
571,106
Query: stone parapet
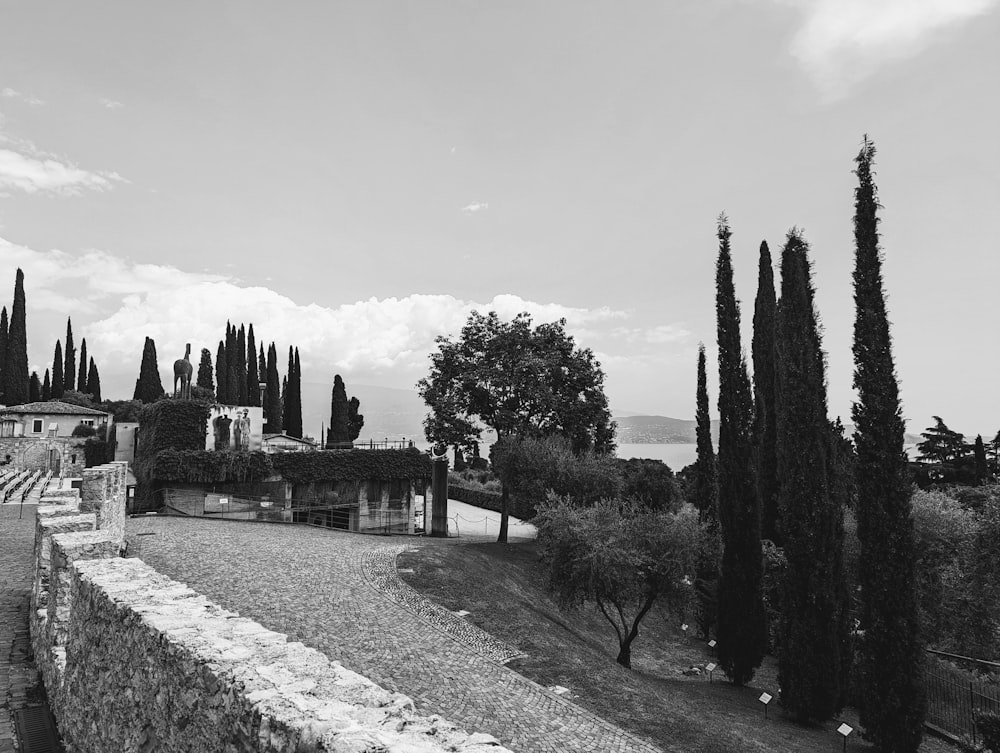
x,y
103,493
151,664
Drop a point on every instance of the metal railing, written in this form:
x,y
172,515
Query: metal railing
x,y
957,688
385,444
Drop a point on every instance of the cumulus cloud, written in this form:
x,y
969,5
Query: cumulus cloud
x,y
117,303
45,174
475,207
841,42
111,104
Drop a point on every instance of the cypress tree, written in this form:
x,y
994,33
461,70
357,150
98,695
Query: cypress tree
x,y
272,395
149,386
81,377
284,404
891,657
69,369
232,387
46,387
4,327
706,499
221,393
293,396
340,432
58,386
742,634
764,397
979,459
15,371
240,367
94,381
809,661
355,419
253,377
262,369
34,388
205,379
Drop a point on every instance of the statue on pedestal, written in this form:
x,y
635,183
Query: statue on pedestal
x,y
182,374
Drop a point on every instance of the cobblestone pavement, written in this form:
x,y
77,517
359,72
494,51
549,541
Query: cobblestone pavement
x,y
19,679
311,584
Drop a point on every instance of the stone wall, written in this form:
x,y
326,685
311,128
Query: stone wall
x,y
134,661
33,452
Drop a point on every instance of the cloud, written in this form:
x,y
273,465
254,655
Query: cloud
x,y
117,303
111,104
475,207
841,42
48,175
9,93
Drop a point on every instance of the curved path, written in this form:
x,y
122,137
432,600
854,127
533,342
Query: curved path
x,y
339,593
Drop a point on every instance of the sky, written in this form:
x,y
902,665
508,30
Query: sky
x,y
354,178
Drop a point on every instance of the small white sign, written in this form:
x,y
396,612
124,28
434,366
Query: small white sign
x,y
558,689
265,504
461,613
684,627
223,500
765,698
710,667
711,643
845,729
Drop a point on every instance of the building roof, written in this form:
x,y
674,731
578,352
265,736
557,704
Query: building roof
x,y
52,408
269,437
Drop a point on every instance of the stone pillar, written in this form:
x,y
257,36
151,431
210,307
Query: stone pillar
x,y
439,496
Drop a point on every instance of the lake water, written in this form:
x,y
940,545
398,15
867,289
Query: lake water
x,y
674,455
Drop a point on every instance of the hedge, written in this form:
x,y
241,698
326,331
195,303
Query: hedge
x,y
490,501
179,425
209,467
352,465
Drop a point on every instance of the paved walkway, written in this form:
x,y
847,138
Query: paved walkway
x,y
19,679
338,592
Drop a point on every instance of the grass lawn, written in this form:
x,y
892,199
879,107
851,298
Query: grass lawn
x,y
503,588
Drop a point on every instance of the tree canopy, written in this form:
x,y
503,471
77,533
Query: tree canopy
x,y
516,379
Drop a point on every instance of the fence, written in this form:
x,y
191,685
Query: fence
x,y
385,444
958,687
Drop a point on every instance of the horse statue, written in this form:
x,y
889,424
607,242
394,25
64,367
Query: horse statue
x,y
182,372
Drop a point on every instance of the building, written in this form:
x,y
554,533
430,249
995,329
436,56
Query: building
x,y
40,435
283,443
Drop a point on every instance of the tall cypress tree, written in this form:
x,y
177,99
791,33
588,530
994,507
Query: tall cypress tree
x,y
149,386
58,385
81,377
34,388
69,368
809,661
221,393
892,696
340,432
293,396
46,387
742,634
15,371
240,364
272,395
262,368
205,379
4,327
706,499
253,378
764,397
94,381
232,386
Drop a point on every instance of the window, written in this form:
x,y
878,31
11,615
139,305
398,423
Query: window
x,y
36,425
87,421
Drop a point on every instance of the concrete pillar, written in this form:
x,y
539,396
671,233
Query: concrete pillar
x,y
439,496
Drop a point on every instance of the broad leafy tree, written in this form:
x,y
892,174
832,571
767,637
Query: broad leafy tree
x,y
891,684
764,396
205,378
941,444
810,665
742,634
517,380
621,556
15,371
148,387
355,419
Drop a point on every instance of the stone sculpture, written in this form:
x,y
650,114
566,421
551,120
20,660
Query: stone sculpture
x,y
182,373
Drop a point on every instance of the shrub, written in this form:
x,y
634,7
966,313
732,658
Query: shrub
x,y
650,482
83,430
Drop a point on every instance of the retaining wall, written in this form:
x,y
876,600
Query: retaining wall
x,y
133,661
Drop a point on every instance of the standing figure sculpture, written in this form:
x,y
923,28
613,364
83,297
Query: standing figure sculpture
x,y
243,422
183,371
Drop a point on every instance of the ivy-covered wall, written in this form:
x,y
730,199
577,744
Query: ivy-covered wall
x,y
352,465
177,425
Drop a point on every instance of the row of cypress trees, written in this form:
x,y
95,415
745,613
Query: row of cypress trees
x,y
777,477
65,377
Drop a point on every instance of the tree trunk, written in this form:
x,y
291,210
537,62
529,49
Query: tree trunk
x,y
504,514
625,654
